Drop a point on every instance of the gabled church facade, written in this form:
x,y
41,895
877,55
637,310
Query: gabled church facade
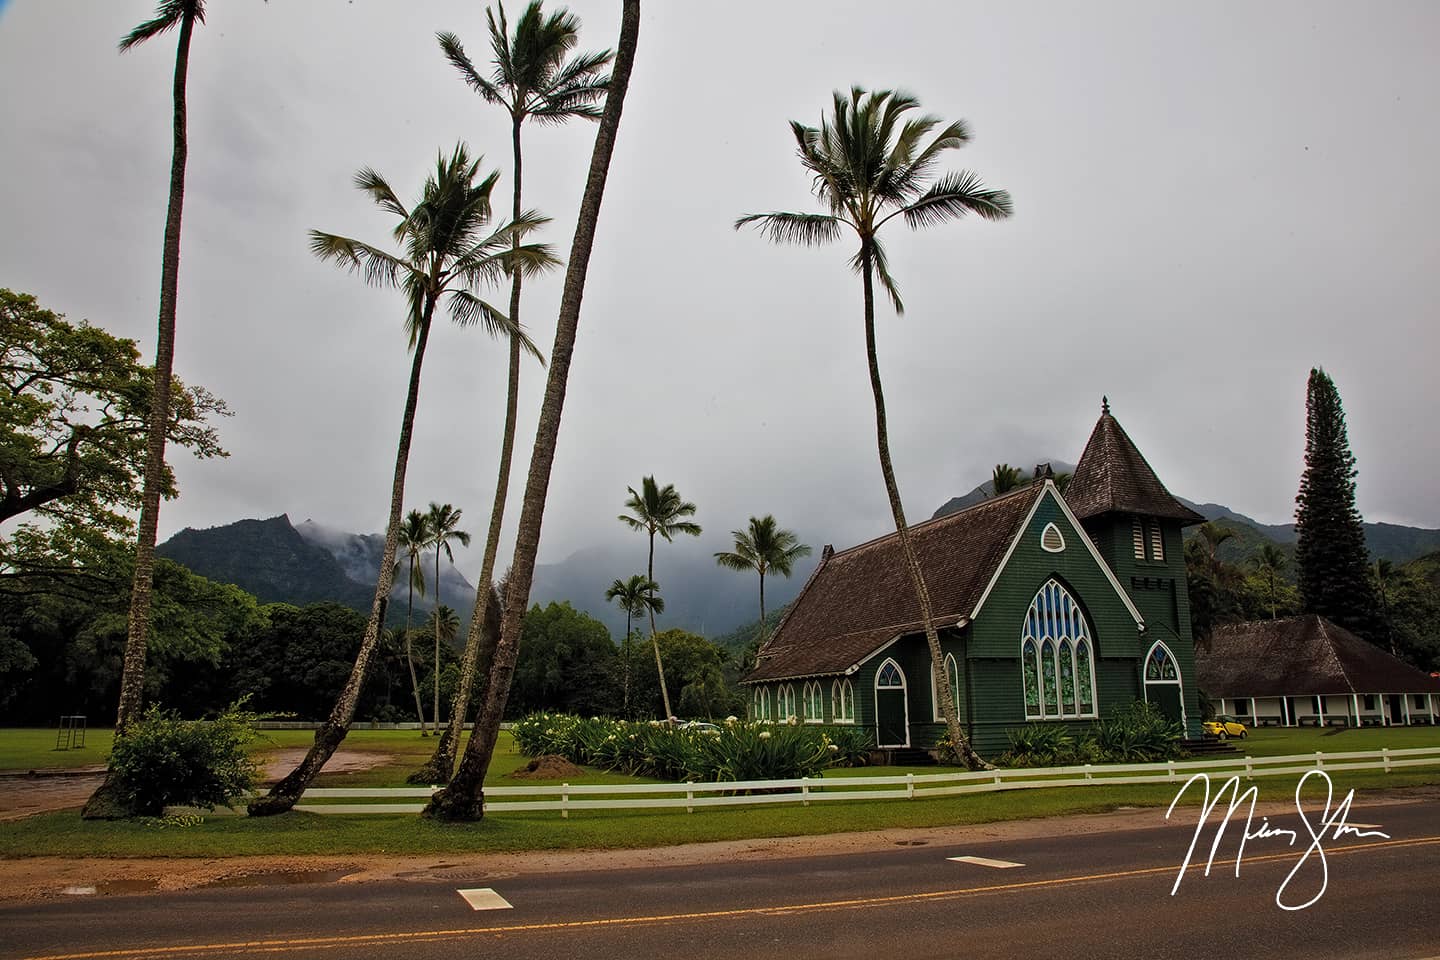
x,y
1051,608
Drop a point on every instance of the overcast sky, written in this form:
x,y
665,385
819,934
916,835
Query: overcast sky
x,y
1211,198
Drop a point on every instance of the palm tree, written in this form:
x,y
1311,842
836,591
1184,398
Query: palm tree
x,y
447,255
869,165
464,798
655,510
532,79
444,522
1387,579
414,539
168,15
635,596
1003,479
1212,535
1269,561
765,549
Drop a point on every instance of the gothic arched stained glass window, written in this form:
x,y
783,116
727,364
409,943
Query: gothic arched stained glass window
x,y
1057,657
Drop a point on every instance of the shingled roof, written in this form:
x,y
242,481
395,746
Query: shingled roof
x,y
859,599
1113,477
1300,656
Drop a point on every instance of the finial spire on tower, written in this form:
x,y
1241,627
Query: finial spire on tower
x,y
1104,405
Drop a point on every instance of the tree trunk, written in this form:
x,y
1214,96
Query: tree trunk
x,y
409,650
762,608
654,643
435,677
105,802
625,658
284,794
464,798
912,562
442,762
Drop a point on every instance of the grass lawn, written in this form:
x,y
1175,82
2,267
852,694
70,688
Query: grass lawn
x,y
64,834
29,748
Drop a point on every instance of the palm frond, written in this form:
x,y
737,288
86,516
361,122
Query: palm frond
x,y
455,52
952,197
734,561
378,268
468,310
168,14
379,190
806,229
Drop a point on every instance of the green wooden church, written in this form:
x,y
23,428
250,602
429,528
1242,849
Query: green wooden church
x,y
1051,608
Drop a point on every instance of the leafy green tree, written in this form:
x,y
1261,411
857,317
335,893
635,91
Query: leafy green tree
x,y
567,662
464,797
870,164
1330,554
636,596
1004,478
447,255
414,539
765,549
534,77
444,522
695,669
74,413
655,509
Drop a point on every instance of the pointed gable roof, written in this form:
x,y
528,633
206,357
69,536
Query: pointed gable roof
x,y
860,599
1113,477
1300,656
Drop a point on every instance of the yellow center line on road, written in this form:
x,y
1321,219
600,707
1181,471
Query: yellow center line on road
x,y
254,947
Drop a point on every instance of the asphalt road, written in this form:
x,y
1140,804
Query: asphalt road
x,y
1104,894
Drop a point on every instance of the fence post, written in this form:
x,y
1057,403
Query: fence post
x,y
1385,755
689,797
997,778
1088,774
909,786
1249,768
564,801
805,790
1170,768
1319,760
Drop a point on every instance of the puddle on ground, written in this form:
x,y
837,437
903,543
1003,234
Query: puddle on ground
x,y
281,879
111,888
911,843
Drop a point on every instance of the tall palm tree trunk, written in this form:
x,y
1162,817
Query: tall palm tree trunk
x,y
625,658
912,562
762,606
105,802
284,794
464,798
435,677
654,642
409,651
443,761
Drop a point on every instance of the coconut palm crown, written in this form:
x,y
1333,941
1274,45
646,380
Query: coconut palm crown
x,y
765,549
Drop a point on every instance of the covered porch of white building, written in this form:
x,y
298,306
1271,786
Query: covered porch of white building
x,y
1334,709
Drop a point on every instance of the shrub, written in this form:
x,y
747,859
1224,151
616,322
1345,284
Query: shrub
x,y
1039,745
735,751
1138,732
165,760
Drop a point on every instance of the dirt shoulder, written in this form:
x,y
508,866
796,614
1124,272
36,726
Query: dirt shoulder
x,y
34,878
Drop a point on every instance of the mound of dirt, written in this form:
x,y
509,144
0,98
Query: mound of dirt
x,y
548,767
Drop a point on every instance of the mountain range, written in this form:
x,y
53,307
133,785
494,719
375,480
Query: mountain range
x,y
279,561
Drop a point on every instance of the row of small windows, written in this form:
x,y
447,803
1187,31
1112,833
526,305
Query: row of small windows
x,y
1138,530
812,702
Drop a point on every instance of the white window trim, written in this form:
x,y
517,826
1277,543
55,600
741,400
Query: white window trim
x,y
954,687
1065,643
1060,536
785,703
842,701
905,699
810,701
1179,681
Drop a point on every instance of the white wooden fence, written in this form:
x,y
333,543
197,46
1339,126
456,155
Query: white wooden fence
x,y
567,797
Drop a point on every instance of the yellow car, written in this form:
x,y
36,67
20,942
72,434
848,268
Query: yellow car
x,y
1225,727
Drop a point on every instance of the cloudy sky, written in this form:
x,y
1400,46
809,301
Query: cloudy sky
x,y
1211,198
